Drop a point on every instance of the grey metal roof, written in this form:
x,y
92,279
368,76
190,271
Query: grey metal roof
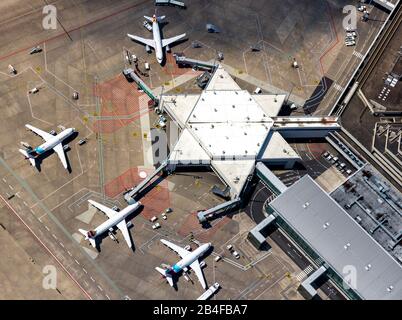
x,y
256,231
339,240
271,177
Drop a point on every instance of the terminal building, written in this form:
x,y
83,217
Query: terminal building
x,y
238,135
357,263
229,130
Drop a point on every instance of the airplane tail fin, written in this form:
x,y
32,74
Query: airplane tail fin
x,y
166,275
91,240
150,19
27,156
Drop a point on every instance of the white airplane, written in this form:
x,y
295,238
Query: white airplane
x,y
157,43
189,259
116,218
51,142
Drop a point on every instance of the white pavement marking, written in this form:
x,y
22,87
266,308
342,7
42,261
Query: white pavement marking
x,y
47,249
338,87
358,54
304,273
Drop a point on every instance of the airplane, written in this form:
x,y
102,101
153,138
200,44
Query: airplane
x,y
51,142
116,218
157,43
189,259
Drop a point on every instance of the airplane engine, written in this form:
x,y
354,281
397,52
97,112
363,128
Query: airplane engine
x,y
168,49
148,48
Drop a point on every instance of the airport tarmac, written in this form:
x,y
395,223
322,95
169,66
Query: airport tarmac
x,y
86,54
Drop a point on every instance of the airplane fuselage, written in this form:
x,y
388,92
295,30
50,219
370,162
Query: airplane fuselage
x,y
158,40
51,143
190,258
117,218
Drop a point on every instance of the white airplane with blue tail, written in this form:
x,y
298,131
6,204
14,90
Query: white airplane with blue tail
x,y
51,142
189,259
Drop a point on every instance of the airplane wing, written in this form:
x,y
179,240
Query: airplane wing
x,y
109,212
148,42
197,269
60,152
122,225
166,42
46,136
181,252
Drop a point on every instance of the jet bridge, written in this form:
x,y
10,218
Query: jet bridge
x,y
204,215
182,60
130,74
130,195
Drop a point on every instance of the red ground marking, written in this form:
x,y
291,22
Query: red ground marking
x,y
119,98
172,68
191,224
72,30
316,149
110,126
155,201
